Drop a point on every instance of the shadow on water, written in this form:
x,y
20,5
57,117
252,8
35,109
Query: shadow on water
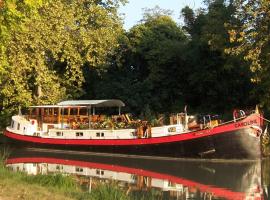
x,y
149,178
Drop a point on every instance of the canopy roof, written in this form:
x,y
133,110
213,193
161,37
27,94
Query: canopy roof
x,y
93,103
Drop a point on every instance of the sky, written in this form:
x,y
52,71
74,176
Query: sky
x,y
134,9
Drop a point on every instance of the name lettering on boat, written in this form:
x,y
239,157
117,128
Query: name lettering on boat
x,y
241,124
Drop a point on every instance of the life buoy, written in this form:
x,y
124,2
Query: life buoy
x,y
242,113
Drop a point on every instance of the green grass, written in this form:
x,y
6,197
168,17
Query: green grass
x,y
19,185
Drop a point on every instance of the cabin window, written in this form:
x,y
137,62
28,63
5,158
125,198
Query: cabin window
x,y
98,134
170,184
18,126
79,134
59,133
102,134
73,111
46,112
99,172
37,112
83,111
172,129
24,129
50,111
65,111
59,167
79,169
12,124
55,112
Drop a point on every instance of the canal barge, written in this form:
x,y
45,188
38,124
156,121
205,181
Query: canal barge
x,y
78,125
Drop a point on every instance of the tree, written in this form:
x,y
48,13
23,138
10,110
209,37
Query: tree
x,y
214,78
13,15
147,70
45,56
251,39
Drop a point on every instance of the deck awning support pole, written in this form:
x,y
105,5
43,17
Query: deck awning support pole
x,y
62,117
89,116
119,110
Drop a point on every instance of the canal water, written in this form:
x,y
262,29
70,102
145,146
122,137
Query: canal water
x,y
163,178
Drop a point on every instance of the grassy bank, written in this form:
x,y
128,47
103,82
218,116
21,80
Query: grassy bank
x,y
19,185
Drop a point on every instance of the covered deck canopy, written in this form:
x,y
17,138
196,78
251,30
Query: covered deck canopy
x,y
75,107
93,103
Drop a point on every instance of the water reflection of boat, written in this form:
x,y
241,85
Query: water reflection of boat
x,y
175,178
76,124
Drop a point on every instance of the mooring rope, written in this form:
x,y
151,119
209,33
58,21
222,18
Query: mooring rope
x,y
265,119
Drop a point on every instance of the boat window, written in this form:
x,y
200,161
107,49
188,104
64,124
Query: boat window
x,y
59,167
18,126
171,129
102,134
65,111
51,111
46,111
79,134
36,112
73,111
55,111
12,124
79,169
59,133
98,134
83,111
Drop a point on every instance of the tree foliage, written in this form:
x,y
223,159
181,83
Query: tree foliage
x,y
161,67
146,71
217,81
46,55
251,39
